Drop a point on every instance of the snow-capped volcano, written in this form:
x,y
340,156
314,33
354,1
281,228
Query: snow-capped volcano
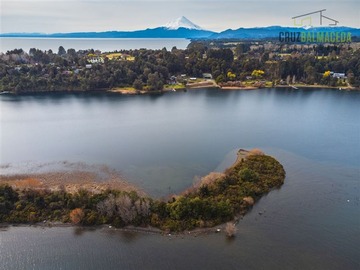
x,y
182,22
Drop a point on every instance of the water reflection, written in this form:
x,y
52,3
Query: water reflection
x,y
165,140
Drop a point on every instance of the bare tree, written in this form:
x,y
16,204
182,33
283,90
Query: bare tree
x,y
288,78
143,207
107,207
230,229
125,208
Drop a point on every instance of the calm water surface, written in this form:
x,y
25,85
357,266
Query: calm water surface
x,y
161,142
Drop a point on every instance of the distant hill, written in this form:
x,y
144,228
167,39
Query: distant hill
x,y
179,28
273,32
184,28
160,32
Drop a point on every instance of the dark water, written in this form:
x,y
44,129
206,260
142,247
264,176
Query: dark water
x,y
102,44
162,142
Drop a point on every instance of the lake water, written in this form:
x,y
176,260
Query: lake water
x,y
162,142
102,44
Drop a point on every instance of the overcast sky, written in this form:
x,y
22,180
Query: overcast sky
x,y
51,16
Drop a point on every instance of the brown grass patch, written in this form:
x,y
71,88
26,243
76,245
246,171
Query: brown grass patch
x,y
72,181
249,200
28,183
256,152
210,179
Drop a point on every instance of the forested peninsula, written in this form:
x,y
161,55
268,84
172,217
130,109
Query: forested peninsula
x,y
217,198
233,64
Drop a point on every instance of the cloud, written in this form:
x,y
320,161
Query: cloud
x,y
94,15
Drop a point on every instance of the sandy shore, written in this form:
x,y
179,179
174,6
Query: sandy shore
x,y
212,84
239,88
126,91
143,92
203,84
317,86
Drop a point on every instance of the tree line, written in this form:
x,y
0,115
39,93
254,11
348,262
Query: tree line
x,y
67,70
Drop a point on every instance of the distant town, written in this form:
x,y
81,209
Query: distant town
x,y
209,63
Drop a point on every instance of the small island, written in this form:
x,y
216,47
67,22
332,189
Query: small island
x,y
217,198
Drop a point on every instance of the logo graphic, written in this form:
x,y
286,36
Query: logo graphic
x,y
317,34
307,20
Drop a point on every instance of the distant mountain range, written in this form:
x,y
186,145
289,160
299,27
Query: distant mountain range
x,y
179,28
184,28
273,31
159,32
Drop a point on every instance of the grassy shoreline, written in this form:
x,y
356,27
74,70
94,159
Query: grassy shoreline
x,y
213,85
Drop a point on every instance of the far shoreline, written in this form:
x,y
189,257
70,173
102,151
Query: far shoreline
x,y
126,91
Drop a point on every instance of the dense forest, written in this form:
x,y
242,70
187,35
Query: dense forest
x,y
217,198
84,70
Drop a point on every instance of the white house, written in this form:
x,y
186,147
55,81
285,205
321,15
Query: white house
x,y
95,60
339,75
